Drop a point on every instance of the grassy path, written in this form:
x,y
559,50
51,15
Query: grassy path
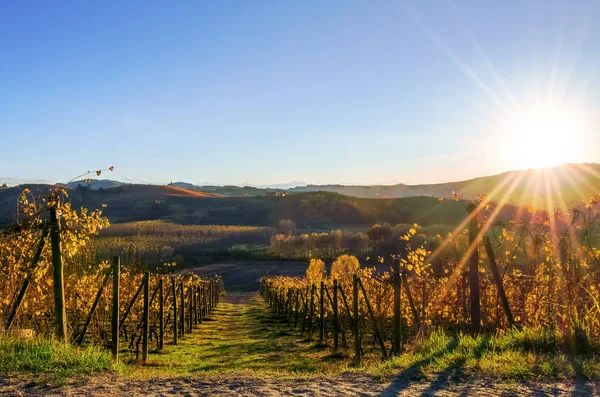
x,y
242,335
243,349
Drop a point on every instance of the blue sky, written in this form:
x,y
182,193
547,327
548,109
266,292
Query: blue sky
x,y
268,92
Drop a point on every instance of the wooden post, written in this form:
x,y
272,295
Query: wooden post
x,y
191,307
311,315
131,303
195,304
182,320
201,302
116,272
305,311
145,315
490,252
336,320
322,314
94,305
397,310
161,313
356,327
175,314
211,295
58,274
297,308
370,310
409,296
474,270
23,290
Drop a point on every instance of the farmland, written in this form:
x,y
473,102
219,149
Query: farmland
x,y
326,269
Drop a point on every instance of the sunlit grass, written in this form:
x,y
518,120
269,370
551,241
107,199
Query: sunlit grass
x,y
514,355
52,359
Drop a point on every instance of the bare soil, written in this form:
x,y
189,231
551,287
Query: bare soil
x,y
349,385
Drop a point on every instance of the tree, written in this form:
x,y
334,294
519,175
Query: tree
x,y
4,185
344,268
315,271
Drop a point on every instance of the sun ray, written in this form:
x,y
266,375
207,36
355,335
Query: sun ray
x,y
481,232
457,60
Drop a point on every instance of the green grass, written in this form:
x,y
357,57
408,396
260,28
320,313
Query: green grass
x,y
526,354
247,339
243,337
51,358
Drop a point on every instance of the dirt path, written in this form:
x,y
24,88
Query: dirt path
x,y
349,385
243,350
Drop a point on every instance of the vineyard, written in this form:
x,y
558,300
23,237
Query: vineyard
x,y
51,287
528,286
538,275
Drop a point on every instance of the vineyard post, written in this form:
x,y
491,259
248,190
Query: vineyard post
x,y
161,313
336,325
305,311
205,299
216,293
356,327
297,307
474,270
409,296
146,323
289,308
492,259
58,279
175,329
201,301
195,303
116,271
311,315
131,303
322,314
94,306
212,295
23,290
210,292
182,319
397,309
372,315
191,306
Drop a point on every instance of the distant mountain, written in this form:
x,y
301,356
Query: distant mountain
x,y
227,190
282,186
93,184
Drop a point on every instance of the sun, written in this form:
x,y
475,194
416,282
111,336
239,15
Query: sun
x,y
543,136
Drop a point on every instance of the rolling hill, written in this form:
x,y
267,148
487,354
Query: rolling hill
x,y
330,204
569,183
312,209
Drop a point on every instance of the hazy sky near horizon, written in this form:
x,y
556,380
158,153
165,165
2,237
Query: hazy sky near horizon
x,y
267,92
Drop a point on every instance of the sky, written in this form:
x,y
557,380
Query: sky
x,y
266,92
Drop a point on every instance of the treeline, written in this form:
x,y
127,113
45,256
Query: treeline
x,y
379,239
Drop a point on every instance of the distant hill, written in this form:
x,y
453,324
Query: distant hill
x,y
569,183
319,210
228,190
331,205
93,184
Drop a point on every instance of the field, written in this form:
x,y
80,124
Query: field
x,y
287,318
247,350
